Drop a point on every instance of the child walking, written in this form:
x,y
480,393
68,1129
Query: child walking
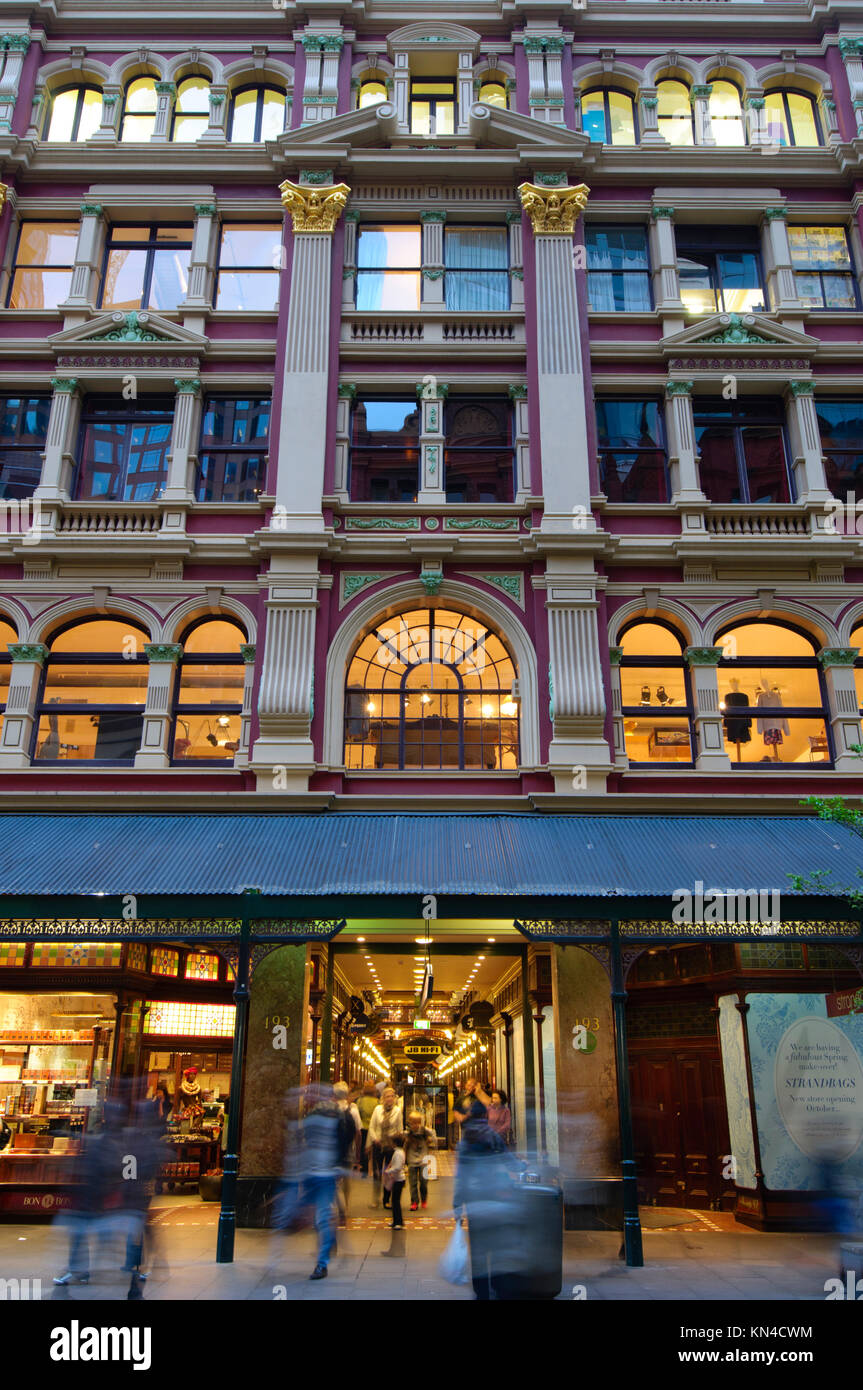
x,y
419,1143
394,1180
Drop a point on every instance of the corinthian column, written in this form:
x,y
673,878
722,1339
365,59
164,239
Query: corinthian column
x,y
283,756
302,434
578,754
553,213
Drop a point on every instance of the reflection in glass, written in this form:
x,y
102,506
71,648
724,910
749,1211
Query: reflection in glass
x,y
388,267
139,112
76,114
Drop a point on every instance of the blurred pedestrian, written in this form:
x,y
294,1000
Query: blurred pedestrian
x,y
486,1192
500,1116
96,1193
349,1140
366,1105
420,1141
386,1122
394,1180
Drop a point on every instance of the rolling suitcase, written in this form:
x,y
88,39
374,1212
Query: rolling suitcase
x,y
540,1220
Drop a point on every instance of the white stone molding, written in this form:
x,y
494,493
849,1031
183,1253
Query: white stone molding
x,y
177,621
10,81
700,99
285,694
195,63
682,456
776,251
18,616
544,52
58,465
433,259
464,88
166,95
851,619
810,480
68,610
20,716
89,250
516,261
432,404
202,259
402,91
676,66
433,36
711,755
663,258
621,758
844,709
410,593
578,753
608,72
820,628
183,458
109,122
648,133
728,67
241,756
320,91
245,72
216,132
521,439
155,749
755,117
140,62
682,619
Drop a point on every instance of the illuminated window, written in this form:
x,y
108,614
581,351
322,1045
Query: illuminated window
x,y
136,956
726,114
23,428
608,117
76,114
720,270
247,277
857,641
139,110
389,260
207,709
431,689
146,267
7,635
371,93
823,271
42,270
165,961
655,695
432,106
772,695
191,110
232,457
257,113
202,966
93,692
63,955
493,93
189,1020
792,118
674,113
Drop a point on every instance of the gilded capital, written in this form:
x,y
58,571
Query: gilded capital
x,y
553,211
314,209
4,189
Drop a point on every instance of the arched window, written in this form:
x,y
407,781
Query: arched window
x,y
139,110
726,114
655,694
371,93
674,112
432,689
608,116
771,693
191,110
7,635
792,118
76,113
209,698
492,91
93,692
257,113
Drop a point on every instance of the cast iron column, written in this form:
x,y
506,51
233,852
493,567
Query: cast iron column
x,y
631,1219
529,1074
231,1163
327,1020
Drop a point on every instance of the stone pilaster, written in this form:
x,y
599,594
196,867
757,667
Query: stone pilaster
x,y
38,112
755,118
680,428
577,707
59,464
433,257
516,260
349,268
320,93
83,291
218,117
700,98
709,733
166,93
155,750
112,104
553,213
649,133
18,721
545,77
432,397
347,397
852,56
15,46
465,90
810,481
621,757
241,757
401,91
200,294
283,756
331,49
830,120
663,258
781,285
521,439
180,486
302,432
838,666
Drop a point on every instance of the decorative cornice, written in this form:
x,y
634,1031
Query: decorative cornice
x,y
187,385
28,651
312,209
703,656
553,211
64,385
247,652
836,656
736,329
163,651
802,388
91,209
678,388
128,329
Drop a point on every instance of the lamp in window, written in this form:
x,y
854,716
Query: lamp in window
x,y
425,697
509,706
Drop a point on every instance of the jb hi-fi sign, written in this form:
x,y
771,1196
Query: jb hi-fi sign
x,y
420,1051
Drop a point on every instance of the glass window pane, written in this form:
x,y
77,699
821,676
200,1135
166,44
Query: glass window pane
x,y
272,114
91,114
371,93
47,243
24,419
471,248
219,635
652,739
765,640
39,289
389,247
803,123
100,635
174,235
99,684
141,95
628,424
674,114
193,96
720,475
388,290
777,123
726,115
659,686
206,736
248,290
63,111
420,118
232,421
493,94
740,278
650,639
616,248
593,116
252,244
137,129
104,735
393,423
211,685
188,128
170,280
620,110
244,116
124,279
764,457
819,248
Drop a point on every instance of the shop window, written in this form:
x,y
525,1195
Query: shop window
x,y
209,700
632,453
257,113
726,114
76,114
433,106
146,267
772,696
743,449
389,261
12,955
856,640
792,118
492,92
165,961
23,428
7,635
136,956
608,117
823,269
655,695
618,269
202,965
384,456
177,1019
92,694
247,277
372,92
477,269
479,460
720,271
840,424
124,449
232,457
674,113
431,689
191,110
83,955
139,110
42,270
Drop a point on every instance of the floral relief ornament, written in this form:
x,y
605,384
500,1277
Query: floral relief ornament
x,y
314,209
553,211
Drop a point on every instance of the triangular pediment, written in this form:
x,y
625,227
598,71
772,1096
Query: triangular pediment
x,y
133,330
734,332
375,127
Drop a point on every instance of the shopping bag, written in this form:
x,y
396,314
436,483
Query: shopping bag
x,y
430,1172
454,1264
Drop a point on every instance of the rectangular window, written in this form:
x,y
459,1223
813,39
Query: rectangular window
x,y
384,463
232,459
632,453
42,271
479,461
249,260
432,106
477,269
124,452
146,267
823,270
618,269
389,260
743,452
23,427
720,271
840,424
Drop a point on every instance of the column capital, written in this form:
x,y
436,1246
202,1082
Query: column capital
x,y
332,43
775,214
205,209
163,651
517,392
314,209
91,209
650,102
553,44
435,215
512,217
64,385
701,91
28,651
347,390
614,655
658,213
703,656
187,385
247,652
16,42
312,43
829,656
426,392
754,103
550,179
316,177
4,189
352,215
533,47
166,89
850,48
801,388
679,388
553,211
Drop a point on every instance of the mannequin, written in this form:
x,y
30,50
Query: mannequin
x,y
737,728
189,1096
771,728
